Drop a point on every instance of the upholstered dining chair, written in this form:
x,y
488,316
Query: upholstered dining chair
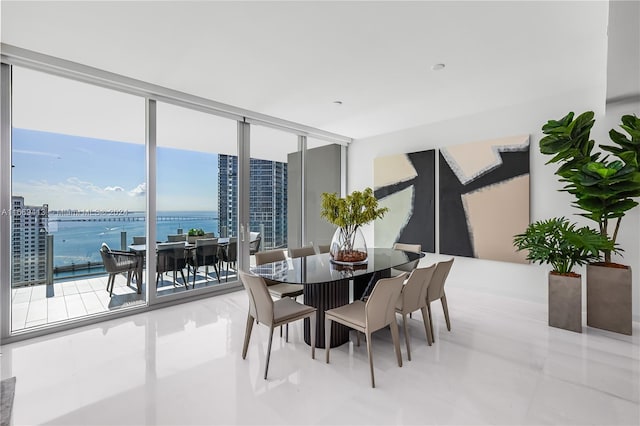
x,y
324,248
377,313
278,289
414,297
115,262
435,291
413,248
302,251
206,254
262,309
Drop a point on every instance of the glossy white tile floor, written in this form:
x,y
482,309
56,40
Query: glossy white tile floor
x,y
500,364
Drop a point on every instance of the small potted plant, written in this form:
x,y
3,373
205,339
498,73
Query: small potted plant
x,y
349,214
605,189
561,244
194,234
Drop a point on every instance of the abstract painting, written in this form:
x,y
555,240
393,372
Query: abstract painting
x,y
405,183
484,198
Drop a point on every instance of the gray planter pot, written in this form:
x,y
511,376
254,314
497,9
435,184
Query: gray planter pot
x,y
609,298
565,302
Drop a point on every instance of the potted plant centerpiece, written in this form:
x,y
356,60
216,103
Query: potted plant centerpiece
x,y
604,189
557,242
194,234
349,214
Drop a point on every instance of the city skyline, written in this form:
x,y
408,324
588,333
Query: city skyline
x,y
75,172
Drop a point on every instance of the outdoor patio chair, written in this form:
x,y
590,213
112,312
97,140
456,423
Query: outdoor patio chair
x,y
171,258
229,255
254,242
206,254
116,262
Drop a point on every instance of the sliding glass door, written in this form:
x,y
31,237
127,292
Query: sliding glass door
x,y
77,189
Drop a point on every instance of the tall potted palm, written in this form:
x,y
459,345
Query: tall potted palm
x,y
561,244
604,189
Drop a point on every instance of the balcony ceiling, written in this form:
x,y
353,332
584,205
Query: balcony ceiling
x,y
292,60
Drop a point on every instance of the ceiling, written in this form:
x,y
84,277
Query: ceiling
x,y
292,60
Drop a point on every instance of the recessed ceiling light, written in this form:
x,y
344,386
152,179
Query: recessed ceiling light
x,y
337,102
437,67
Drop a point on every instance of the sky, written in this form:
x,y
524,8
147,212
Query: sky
x,y
73,172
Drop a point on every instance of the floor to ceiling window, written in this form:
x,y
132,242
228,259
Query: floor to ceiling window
x,y
98,174
77,188
196,200
269,186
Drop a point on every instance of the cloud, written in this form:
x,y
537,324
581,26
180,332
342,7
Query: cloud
x,y
114,189
41,153
139,191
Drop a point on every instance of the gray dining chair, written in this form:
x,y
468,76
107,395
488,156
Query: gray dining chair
x,y
378,312
301,251
414,297
436,291
262,309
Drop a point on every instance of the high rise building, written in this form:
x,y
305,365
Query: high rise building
x,y
29,243
267,199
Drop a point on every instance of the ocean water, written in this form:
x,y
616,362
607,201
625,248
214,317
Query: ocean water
x,y
78,241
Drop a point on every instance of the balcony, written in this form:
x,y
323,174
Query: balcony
x,y
81,296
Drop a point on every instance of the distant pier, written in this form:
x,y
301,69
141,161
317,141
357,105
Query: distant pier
x,y
125,218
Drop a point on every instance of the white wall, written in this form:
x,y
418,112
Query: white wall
x,y
522,281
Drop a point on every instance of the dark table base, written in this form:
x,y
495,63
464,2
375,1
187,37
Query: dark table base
x,y
325,296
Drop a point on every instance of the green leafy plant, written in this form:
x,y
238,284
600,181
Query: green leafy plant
x,y
349,213
193,232
604,189
561,244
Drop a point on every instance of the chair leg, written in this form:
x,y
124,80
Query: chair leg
x,y
215,268
286,333
112,277
445,308
312,320
327,337
186,283
427,324
266,367
395,335
373,380
357,338
433,335
406,335
247,335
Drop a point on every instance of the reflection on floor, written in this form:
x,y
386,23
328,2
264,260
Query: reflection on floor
x,y
37,305
500,364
